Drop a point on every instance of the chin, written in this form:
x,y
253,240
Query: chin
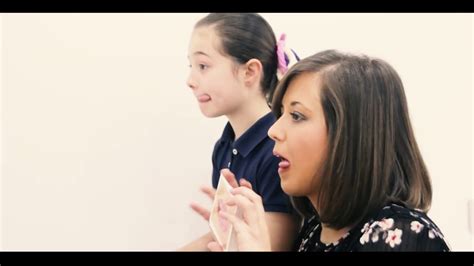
x,y
292,190
287,188
209,114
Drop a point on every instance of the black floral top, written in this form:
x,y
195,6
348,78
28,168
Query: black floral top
x,y
394,228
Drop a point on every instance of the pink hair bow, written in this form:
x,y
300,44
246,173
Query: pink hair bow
x,y
286,57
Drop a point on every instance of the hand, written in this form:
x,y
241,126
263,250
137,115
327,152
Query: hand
x,y
210,192
204,212
250,227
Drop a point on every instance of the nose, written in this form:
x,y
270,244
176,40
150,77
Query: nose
x,y
191,82
275,132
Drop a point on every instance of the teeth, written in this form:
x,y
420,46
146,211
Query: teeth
x,y
280,157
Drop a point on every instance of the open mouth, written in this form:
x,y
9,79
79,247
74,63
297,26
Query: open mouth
x,y
284,163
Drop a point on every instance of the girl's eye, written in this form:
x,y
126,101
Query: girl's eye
x,y
203,67
297,116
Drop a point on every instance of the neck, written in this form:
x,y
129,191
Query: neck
x,y
243,118
328,234
331,235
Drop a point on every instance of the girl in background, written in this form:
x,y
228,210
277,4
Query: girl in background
x,y
234,71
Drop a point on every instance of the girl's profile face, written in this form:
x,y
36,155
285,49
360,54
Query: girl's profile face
x,y
300,136
214,78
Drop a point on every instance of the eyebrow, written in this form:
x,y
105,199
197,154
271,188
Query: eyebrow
x,y
200,53
295,103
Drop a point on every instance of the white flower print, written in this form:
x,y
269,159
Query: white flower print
x,y
432,233
374,224
437,233
386,224
365,237
394,237
365,228
416,226
346,235
375,237
303,244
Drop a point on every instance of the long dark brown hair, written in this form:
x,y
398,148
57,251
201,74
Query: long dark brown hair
x,y
373,158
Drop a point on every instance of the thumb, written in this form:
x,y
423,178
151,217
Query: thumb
x,y
230,177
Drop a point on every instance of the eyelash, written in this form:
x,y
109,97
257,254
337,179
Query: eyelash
x,y
201,66
297,117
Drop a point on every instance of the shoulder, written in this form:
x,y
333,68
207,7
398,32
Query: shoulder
x,y
397,228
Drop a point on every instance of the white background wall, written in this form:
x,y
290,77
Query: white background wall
x,y
471,216
103,145
1,130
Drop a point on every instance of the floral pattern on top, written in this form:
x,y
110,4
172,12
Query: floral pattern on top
x,y
393,228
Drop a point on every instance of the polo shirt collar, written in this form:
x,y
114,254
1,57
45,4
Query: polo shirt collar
x,y
252,137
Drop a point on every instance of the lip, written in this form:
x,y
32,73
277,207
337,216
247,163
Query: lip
x,y
284,164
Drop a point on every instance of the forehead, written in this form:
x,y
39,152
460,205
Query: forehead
x,y
204,39
304,88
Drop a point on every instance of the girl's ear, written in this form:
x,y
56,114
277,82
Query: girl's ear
x,y
253,72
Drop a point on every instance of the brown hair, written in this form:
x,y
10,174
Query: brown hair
x,y
372,157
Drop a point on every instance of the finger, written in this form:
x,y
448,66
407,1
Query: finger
x,y
248,210
254,198
209,191
229,202
230,177
205,213
214,246
239,225
248,193
243,182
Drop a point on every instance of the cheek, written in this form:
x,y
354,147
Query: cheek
x,y
222,84
310,153
232,92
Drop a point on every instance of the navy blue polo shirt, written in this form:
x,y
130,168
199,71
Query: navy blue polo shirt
x,y
251,157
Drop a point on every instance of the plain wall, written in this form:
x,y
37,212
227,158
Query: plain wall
x,y
103,145
471,211
1,131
